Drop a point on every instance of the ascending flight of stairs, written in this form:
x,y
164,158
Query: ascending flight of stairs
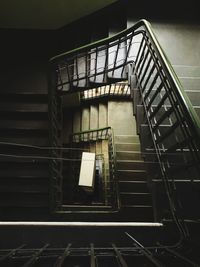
x,y
189,77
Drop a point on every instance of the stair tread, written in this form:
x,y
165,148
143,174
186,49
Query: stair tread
x,y
137,206
126,143
139,181
134,171
128,151
134,193
129,160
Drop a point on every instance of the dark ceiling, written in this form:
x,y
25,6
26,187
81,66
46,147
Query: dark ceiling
x,y
45,14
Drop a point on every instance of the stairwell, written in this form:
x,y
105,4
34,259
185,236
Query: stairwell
x,y
135,196
25,182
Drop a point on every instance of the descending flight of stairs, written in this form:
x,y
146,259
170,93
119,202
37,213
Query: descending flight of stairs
x,y
23,125
134,190
135,195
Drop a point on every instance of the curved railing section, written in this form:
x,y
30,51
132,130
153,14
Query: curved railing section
x,y
119,51
104,198
135,52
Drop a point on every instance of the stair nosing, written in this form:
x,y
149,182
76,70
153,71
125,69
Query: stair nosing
x,y
133,170
133,181
129,151
134,193
129,160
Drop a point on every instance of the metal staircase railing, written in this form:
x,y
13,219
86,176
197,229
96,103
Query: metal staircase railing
x,y
172,121
55,137
162,95
48,254
87,141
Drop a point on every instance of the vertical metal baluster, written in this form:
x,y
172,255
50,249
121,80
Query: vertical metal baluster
x,y
151,86
35,257
149,75
69,77
93,258
76,66
95,68
109,89
158,106
106,63
127,53
119,257
86,69
62,258
140,53
145,252
116,55
143,64
12,252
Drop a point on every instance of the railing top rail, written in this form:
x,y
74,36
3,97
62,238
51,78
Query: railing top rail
x,y
92,130
182,96
99,42
177,87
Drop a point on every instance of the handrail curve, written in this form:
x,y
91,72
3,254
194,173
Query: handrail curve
x,y
177,87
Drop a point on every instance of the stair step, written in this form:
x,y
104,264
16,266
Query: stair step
x,y
130,165
37,141
133,186
118,111
23,188
29,165
190,83
136,213
187,71
194,96
128,155
22,158
197,110
23,124
23,199
129,175
23,107
128,147
23,97
127,199
23,172
127,139
23,115
21,132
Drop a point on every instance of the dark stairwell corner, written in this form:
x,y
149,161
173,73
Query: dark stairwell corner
x,y
128,93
